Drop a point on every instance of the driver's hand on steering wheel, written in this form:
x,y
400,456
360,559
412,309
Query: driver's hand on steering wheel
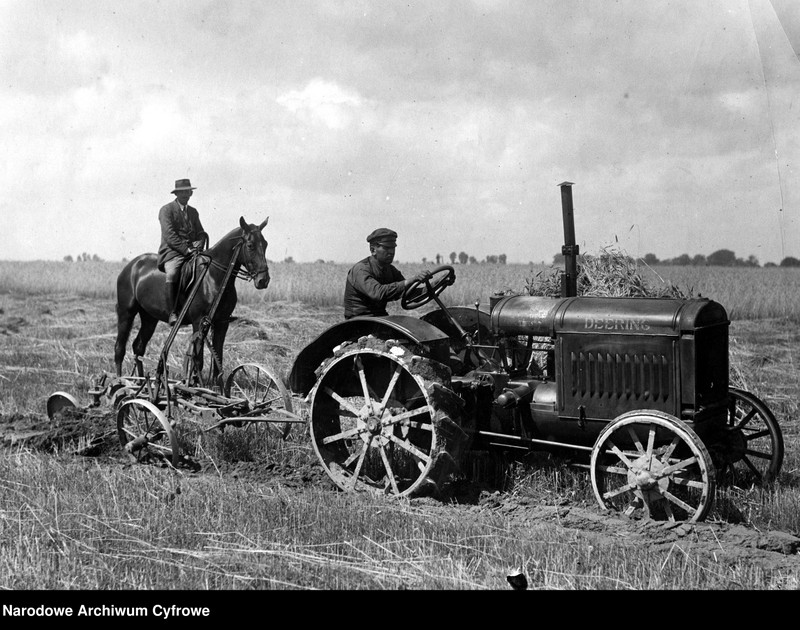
x,y
421,277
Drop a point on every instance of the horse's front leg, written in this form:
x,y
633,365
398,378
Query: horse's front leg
x,y
218,343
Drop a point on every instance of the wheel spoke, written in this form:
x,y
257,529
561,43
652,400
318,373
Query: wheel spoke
x,y
342,401
668,511
389,471
678,466
349,433
689,483
360,463
623,458
369,395
390,387
410,414
670,449
685,506
743,421
752,467
757,434
613,469
410,448
618,491
636,440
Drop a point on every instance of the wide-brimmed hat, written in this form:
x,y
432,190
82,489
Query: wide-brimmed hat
x,y
383,236
182,184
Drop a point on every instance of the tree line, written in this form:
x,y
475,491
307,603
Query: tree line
x,y
465,259
719,258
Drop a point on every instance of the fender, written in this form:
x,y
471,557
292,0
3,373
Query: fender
x,y
400,327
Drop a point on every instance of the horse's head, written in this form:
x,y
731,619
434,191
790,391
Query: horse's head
x,y
253,254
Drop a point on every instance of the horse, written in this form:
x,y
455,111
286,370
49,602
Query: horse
x,y
141,290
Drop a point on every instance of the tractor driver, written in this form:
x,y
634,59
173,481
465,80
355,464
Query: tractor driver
x,y
181,236
374,281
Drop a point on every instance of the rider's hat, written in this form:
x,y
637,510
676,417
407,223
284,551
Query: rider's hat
x,y
182,184
383,236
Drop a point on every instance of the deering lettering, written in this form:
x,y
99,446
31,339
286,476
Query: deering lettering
x,y
610,323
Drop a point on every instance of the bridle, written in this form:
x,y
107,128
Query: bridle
x,y
234,267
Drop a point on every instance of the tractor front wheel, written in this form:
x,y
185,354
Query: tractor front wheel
x,y
651,464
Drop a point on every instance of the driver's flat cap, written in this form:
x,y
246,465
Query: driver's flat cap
x,y
383,236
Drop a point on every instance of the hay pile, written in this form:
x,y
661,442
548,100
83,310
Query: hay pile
x,y
611,274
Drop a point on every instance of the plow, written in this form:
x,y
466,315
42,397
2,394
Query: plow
x,y
635,390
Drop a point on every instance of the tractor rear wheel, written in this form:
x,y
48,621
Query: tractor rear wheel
x,y
750,450
384,419
651,464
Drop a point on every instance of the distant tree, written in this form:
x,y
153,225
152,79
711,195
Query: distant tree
x,y
96,258
320,261
502,259
438,259
491,259
463,257
424,260
453,258
752,261
790,261
558,260
722,258
472,260
684,260
769,264
698,260
650,259
67,258
288,259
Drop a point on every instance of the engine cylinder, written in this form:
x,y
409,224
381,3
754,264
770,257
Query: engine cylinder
x,y
525,315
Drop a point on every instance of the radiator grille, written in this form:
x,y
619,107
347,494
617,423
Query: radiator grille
x,y
624,376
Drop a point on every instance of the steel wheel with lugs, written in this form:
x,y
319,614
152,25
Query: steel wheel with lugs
x,y
381,420
651,464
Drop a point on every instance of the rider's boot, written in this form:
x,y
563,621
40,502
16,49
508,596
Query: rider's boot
x,y
172,301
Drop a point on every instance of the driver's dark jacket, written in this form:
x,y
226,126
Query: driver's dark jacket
x,y
369,287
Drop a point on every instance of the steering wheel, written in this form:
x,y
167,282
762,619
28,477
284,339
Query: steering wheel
x,y
432,288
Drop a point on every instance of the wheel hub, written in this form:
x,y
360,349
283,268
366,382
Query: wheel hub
x,y
371,423
645,474
734,446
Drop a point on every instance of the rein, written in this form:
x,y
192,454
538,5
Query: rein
x,y
232,268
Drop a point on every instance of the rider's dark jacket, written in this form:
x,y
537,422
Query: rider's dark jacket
x,y
369,287
178,231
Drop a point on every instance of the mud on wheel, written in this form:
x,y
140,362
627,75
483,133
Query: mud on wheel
x,y
384,419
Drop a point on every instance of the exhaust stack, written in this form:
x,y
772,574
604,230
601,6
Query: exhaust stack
x,y
569,281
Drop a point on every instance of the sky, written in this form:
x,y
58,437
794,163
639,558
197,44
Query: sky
x,y
450,122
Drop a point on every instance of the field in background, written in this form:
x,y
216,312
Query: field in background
x,y
747,293
91,523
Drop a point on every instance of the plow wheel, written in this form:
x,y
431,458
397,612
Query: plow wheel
x,y
264,392
650,464
145,434
751,449
381,419
59,401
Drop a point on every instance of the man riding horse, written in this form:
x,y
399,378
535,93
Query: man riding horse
x,y
182,235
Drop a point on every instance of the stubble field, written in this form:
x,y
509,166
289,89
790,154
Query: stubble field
x,y
258,512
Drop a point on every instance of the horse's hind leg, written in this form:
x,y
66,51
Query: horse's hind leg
x,y
124,324
139,345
